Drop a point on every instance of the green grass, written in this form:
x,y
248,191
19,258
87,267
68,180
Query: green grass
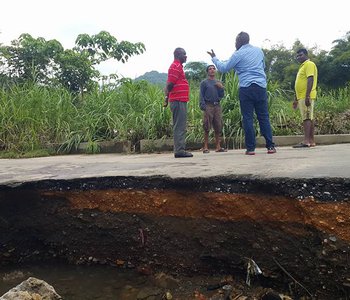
x,y
29,154
34,117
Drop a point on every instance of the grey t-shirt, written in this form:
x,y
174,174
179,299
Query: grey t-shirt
x,y
209,92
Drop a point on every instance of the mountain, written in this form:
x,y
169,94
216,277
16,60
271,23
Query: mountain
x,y
154,77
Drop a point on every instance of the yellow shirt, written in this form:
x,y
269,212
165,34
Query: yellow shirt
x,y
306,69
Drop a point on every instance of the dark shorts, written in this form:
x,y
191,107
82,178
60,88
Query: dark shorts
x,y
212,118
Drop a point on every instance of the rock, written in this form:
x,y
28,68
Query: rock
x,y
24,296
168,296
332,238
32,289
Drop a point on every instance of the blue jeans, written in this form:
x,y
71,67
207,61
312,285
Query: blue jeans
x,y
254,98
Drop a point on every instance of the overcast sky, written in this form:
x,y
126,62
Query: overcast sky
x,y
162,25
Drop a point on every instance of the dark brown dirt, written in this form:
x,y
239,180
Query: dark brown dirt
x,y
301,244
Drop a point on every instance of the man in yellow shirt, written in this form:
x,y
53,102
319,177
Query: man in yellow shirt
x,y
305,96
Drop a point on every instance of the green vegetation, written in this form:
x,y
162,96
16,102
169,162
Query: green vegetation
x,y
37,118
50,103
47,63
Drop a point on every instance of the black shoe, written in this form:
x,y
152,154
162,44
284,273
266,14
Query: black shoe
x,y
183,154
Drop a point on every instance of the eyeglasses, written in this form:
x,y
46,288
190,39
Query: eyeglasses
x,y
212,68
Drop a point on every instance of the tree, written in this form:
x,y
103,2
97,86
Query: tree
x,y
196,70
76,71
46,62
280,65
103,46
30,59
334,68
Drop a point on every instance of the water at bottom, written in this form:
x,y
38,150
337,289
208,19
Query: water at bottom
x,y
78,282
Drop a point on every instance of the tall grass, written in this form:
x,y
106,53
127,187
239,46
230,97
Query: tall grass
x,y
333,111
34,117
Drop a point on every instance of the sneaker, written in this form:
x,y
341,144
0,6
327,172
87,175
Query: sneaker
x,y
250,152
271,150
183,154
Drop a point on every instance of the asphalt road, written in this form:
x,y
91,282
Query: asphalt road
x,y
329,161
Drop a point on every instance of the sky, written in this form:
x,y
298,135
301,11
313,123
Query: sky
x,y
162,25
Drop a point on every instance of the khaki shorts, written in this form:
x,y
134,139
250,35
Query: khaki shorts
x,y
307,112
212,118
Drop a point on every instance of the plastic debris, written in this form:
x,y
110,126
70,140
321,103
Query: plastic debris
x,y
252,269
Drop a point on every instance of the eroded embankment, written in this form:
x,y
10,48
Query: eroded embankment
x,y
298,232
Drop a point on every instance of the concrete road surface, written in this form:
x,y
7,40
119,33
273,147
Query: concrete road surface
x,y
331,161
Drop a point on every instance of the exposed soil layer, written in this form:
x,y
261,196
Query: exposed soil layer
x,y
297,232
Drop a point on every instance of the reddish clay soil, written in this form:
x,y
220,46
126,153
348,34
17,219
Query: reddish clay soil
x,y
330,218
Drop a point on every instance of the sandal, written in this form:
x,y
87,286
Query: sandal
x,y
205,151
301,145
